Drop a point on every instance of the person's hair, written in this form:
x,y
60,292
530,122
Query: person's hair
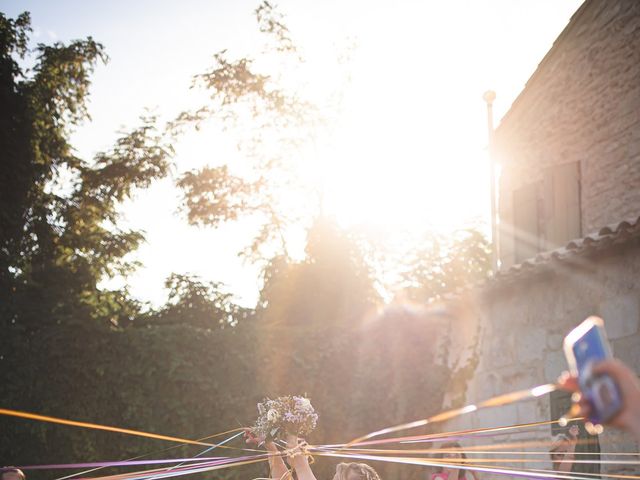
x,y
4,470
362,471
449,445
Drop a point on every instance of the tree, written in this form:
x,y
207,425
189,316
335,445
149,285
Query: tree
x,y
441,264
195,302
330,288
275,120
59,239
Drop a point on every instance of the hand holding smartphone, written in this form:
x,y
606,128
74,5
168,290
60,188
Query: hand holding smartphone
x,y
585,346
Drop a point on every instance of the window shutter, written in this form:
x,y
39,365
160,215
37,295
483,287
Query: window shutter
x,y
562,204
525,222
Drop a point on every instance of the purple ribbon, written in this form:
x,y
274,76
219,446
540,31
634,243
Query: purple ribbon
x,y
122,463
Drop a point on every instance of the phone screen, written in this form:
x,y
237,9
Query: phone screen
x,y
586,344
588,349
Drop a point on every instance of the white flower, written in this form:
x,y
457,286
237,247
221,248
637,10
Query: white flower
x,y
286,414
272,415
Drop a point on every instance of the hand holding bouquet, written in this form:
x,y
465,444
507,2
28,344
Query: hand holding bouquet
x,y
292,415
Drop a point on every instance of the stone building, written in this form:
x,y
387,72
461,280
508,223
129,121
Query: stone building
x,y
569,241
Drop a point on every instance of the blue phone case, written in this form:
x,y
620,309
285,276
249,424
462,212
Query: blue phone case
x,y
586,345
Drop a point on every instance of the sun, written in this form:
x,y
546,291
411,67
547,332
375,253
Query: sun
x,y
403,151
374,172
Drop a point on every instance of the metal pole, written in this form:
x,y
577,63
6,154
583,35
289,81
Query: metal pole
x,y
489,96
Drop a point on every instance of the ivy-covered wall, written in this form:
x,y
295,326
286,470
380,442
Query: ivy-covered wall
x,y
189,382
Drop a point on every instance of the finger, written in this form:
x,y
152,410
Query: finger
x,y
585,408
563,376
615,369
568,382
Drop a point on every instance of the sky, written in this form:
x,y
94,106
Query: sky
x,y
407,151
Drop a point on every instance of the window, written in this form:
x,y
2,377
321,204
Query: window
x,y
562,204
526,222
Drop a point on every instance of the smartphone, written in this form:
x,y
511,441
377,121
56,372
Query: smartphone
x,y
586,345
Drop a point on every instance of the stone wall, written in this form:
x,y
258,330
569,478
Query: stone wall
x,y
581,105
523,323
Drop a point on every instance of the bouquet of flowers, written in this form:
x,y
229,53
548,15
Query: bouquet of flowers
x,y
292,415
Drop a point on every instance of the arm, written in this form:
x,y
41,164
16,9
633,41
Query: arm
x,y
299,462
562,452
278,469
566,463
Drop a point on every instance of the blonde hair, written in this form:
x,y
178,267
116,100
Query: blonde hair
x,y
362,471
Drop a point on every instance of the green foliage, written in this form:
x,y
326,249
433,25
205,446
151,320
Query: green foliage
x,y
271,22
214,196
59,240
441,264
273,120
333,285
197,303
174,379
192,382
